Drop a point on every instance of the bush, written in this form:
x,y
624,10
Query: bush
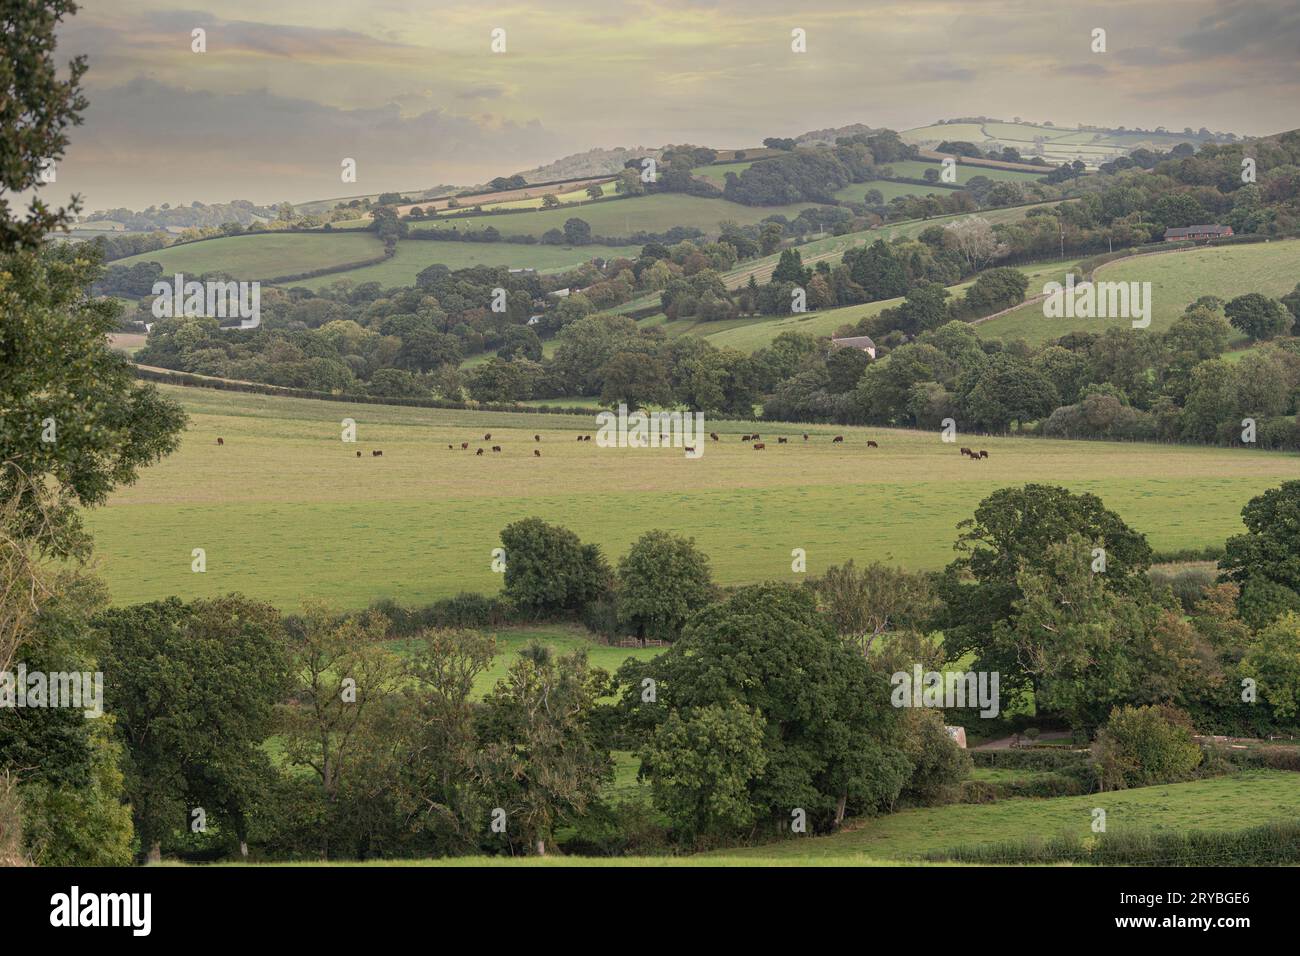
x,y
1142,746
549,571
1188,584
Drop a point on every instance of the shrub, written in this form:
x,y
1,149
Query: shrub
x,y
1142,746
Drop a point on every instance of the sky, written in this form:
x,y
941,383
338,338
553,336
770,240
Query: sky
x,y
413,91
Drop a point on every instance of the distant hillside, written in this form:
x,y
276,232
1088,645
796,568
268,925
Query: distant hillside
x,y
1093,145
828,136
594,162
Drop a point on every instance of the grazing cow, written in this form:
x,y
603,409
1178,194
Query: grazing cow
x,y
487,437
464,445
757,436
871,444
759,447
358,454
537,438
746,437
805,437
965,451
836,439
580,438
377,454
537,453
586,438
479,452
714,436
221,441
781,441
496,447
690,450
983,453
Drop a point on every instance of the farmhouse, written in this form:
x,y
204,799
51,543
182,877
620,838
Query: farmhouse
x,y
1197,232
861,342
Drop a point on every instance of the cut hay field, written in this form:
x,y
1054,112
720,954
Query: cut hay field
x,y
413,256
622,217
264,255
1177,280
286,511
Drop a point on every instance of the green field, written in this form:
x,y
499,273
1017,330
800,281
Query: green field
x,y
1220,803
753,333
561,638
622,217
286,511
915,169
717,174
263,255
1057,143
1217,804
413,256
1177,280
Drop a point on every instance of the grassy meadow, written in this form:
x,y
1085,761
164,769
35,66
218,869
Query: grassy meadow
x,y
412,257
286,511
1177,280
263,255
622,217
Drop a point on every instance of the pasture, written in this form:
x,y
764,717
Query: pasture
x,y
413,256
1217,804
287,511
263,255
1177,280
755,332
622,217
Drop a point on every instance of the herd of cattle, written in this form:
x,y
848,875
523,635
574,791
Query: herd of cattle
x,y
758,445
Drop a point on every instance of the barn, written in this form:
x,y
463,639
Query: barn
x,y
1183,233
860,342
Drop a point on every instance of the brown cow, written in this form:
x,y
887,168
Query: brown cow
x,y
871,444
757,436
983,453
358,454
496,447
781,441
690,450
746,437
537,438
837,438
464,445
586,438
580,438
714,436
537,453
479,452
965,451
221,441
759,447
377,454
487,437
805,437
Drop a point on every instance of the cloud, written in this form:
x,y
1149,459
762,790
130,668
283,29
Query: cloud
x,y
259,145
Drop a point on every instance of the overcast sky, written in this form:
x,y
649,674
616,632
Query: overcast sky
x,y
412,91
